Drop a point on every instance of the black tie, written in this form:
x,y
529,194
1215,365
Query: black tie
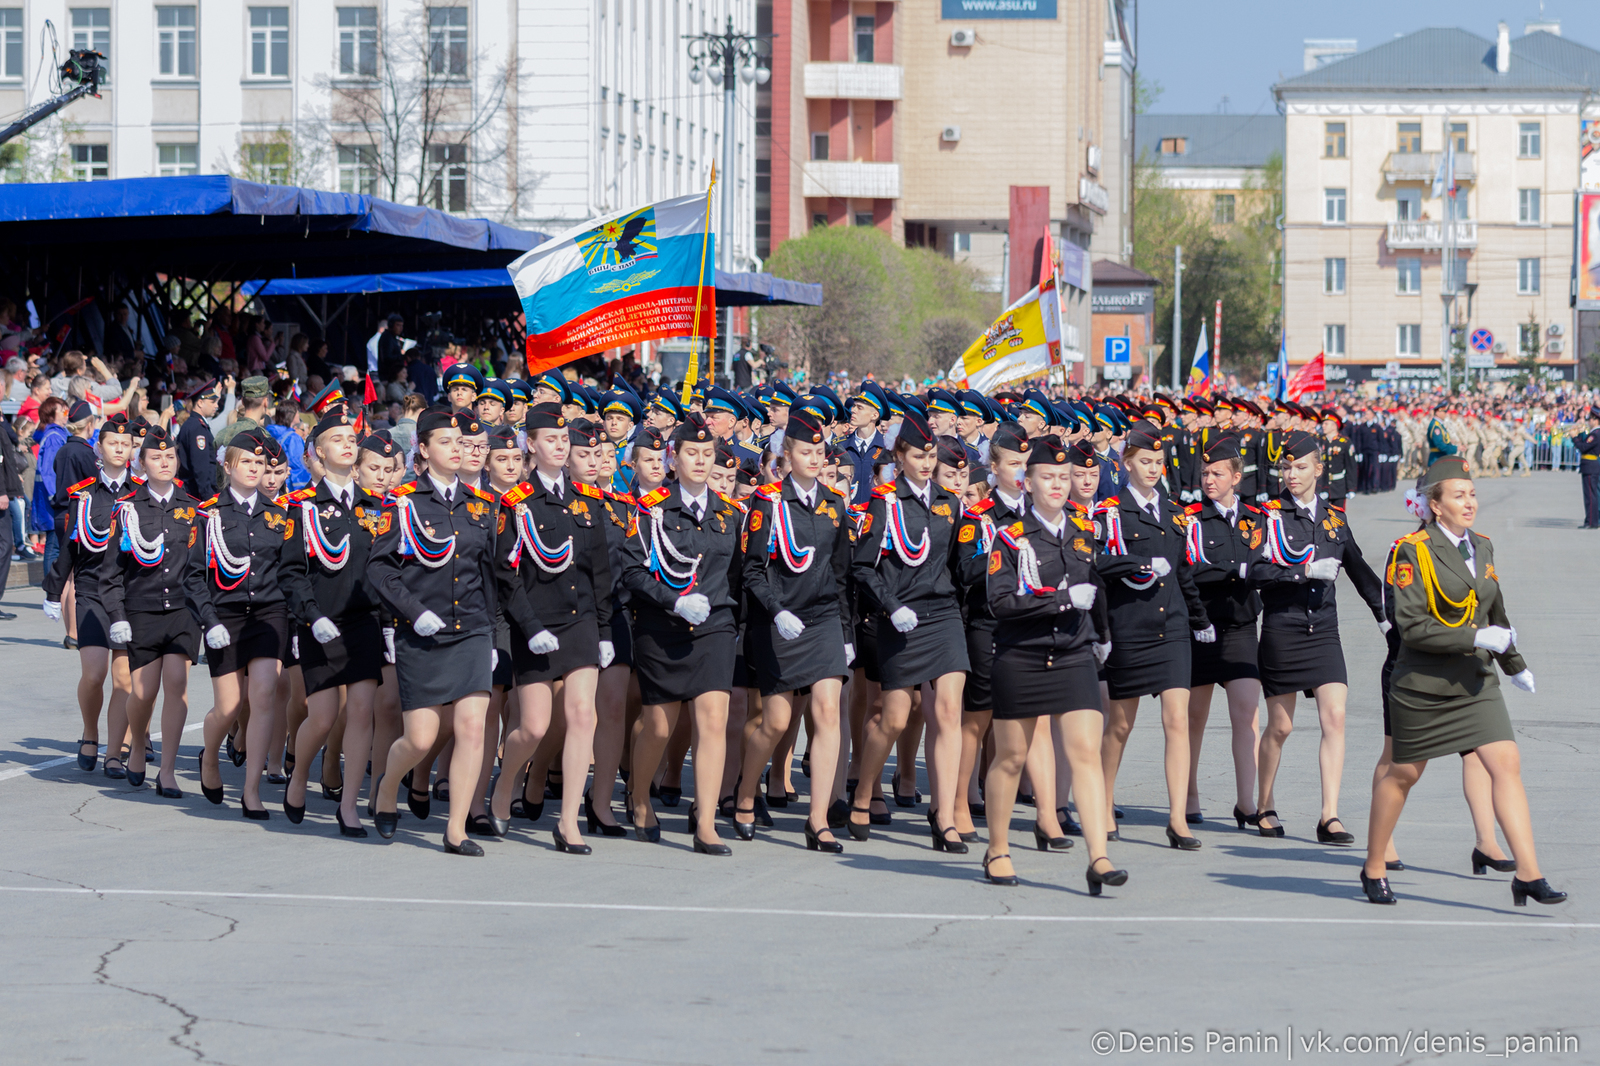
x,y
1153,512
447,497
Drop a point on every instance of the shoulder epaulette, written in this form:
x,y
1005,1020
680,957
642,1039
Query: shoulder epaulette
x,y
1252,508
403,490
625,497
214,499
977,510
1419,537
585,489
651,499
520,492
1110,501
770,491
303,494
483,494
1193,508
886,489
282,501
129,496
1276,505
1335,507
85,483
136,479
1016,529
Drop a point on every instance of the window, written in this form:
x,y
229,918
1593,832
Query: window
x,y
1174,145
1333,205
448,188
447,41
1458,275
818,220
1527,277
865,25
1408,275
1333,339
863,218
1458,134
91,31
1528,340
963,242
1333,140
175,42
1528,205
269,163
1410,138
763,121
358,170
1333,277
1222,209
10,42
1528,140
1408,339
819,146
177,160
1408,205
91,162
269,42
358,42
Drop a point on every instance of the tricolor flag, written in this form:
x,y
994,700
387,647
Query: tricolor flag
x,y
1024,342
628,277
1200,368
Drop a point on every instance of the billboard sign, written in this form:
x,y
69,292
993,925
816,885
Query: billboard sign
x,y
998,9
1587,266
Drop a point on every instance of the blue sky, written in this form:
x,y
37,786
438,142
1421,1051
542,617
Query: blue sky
x,y
1203,50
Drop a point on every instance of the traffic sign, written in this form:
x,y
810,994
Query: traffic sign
x,y
1117,371
1481,340
1118,349
1480,360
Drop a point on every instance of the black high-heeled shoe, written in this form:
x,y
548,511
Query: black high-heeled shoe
x,y
420,808
874,818
466,847
1049,843
745,830
1377,889
136,779
356,831
1194,819
164,792
670,795
263,815
650,834
86,762
118,772
1268,830
1328,836
838,814
236,755
763,815
1182,843
386,822
277,779
570,849
999,879
480,825
333,793
1481,862
441,790
941,842
296,815
859,830
702,848
1539,891
521,808
775,802
805,764
1114,878
595,825
814,842
970,838
1395,865
902,800
1245,819
1068,825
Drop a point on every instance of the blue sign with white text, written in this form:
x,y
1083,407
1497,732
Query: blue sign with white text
x,y
1118,349
998,9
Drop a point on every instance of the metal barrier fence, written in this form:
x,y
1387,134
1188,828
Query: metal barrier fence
x,y
1554,453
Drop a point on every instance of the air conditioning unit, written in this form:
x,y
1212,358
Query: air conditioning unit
x,y
950,134
1556,347
963,38
1499,347
1555,329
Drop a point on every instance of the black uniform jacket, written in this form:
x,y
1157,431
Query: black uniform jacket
x,y
714,539
197,456
75,463
620,508
259,536
78,559
1250,456
1044,619
1289,599
886,582
126,584
817,594
1144,608
975,532
476,580
582,591
1223,548
314,589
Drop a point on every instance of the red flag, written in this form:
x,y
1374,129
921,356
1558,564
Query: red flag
x,y
371,395
1308,378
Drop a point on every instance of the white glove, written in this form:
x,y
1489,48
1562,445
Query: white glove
x,y
121,632
608,653
1244,571
543,642
1082,596
294,647
1384,626
1524,680
1513,635
788,625
324,630
427,624
904,619
1208,635
494,659
217,637
1322,569
388,645
693,608
1102,652
1492,638
849,654
52,611
1160,565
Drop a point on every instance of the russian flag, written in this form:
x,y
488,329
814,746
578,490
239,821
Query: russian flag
x,y
1200,368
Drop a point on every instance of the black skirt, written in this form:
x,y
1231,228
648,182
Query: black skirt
x,y
159,633
792,665
505,674
433,671
978,696
743,676
1136,670
621,636
677,663
867,650
1025,687
1295,661
94,625
356,654
1228,658
580,647
938,646
256,632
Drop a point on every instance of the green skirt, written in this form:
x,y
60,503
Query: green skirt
x,y
1426,726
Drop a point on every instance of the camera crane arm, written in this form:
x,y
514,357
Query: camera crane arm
x,y
83,68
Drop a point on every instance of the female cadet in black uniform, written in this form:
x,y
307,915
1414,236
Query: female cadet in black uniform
x,y
682,571
1224,538
154,529
1154,608
340,639
1042,589
234,587
1306,544
442,557
381,466
612,691
796,549
562,563
904,562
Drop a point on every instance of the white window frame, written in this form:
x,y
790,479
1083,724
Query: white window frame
x,y
264,40
267,170
1528,277
358,172
1529,207
84,164
177,41
1530,138
449,41
449,175
90,35
170,161
1333,275
13,54
1335,201
1219,202
1333,339
359,41
1408,275
871,34
1408,205
1408,336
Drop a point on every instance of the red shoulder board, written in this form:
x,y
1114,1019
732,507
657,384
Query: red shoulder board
x,y
977,509
1252,508
403,490
85,483
770,491
214,499
1335,507
625,497
282,501
886,489
1109,501
520,492
483,494
129,496
585,489
1016,529
1193,508
651,499
1276,505
303,494
831,491
136,479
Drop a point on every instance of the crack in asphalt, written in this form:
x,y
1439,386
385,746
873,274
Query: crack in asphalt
x,y
233,923
57,880
190,1020
76,814
1546,740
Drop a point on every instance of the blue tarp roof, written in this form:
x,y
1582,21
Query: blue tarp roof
x,y
733,290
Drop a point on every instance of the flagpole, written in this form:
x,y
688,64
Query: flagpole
x,y
699,291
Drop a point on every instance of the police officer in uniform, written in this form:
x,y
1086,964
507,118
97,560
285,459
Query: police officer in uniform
x,y
197,450
1588,445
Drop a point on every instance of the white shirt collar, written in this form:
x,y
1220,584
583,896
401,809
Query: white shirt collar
x,y
346,493
555,484
444,489
163,499
808,497
1145,502
1055,530
1310,508
247,502
1455,540
1014,505
114,485
702,501
925,494
1227,512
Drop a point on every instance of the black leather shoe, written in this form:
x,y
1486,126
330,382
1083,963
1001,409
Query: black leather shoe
x,y
1049,843
277,779
1377,889
650,834
1117,813
480,825
595,824
745,830
1195,819
296,815
670,795
718,848
86,762
1539,891
838,814
355,831
815,843
858,830
1068,825
420,808
1245,819
164,792
1329,836
1180,842
384,821
521,808
466,847
570,849
1482,862
118,772
441,790
1268,830
879,819
763,814
1395,865
214,795
333,793
900,800
236,755
262,815
999,879
136,779
942,842
1096,879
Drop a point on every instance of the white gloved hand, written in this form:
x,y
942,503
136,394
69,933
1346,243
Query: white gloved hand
x,y
904,619
1384,626
608,653
494,659
294,647
52,611
1244,571
1322,569
1513,635
543,642
427,624
1492,638
693,608
1161,566
1102,652
849,654
788,625
1082,596
1208,635
388,645
1524,680
121,633
217,637
324,630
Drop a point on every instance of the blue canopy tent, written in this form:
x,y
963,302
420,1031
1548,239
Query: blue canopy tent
x,y
733,290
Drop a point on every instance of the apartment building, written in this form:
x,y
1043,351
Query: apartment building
x,y
1368,236
1217,162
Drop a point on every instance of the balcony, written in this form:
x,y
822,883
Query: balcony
x,y
877,181
1093,195
1431,234
853,81
1421,166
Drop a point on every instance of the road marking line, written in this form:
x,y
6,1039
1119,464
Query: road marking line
x,y
306,897
48,763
